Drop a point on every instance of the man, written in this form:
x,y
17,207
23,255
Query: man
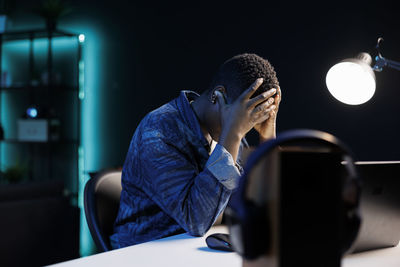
x,y
184,158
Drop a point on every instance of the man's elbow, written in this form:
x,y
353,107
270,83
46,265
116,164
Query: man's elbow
x,y
198,230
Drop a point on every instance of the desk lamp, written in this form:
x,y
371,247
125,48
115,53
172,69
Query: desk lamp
x,y
352,81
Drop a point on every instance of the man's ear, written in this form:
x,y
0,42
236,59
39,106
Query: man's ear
x,y
221,89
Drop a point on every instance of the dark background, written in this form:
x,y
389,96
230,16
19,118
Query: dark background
x,y
149,52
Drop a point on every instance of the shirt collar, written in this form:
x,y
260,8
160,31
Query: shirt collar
x,y
188,115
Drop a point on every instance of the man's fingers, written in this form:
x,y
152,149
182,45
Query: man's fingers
x,y
266,114
272,114
220,98
262,119
253,87
262,97
278,99
263,106
278,96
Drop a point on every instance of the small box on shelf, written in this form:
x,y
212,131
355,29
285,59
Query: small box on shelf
x,y
38,130
33,130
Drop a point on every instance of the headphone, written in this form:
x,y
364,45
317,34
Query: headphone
x,y
248,222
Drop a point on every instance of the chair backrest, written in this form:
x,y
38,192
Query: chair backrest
x,y
101,203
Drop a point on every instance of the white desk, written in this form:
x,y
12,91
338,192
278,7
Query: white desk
x,y
184,250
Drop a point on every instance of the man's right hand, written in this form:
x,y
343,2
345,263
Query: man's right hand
x,y
240,117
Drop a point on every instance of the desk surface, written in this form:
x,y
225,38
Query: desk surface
x,y
185,250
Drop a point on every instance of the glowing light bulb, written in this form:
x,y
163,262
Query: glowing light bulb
x,y
81,38
352,81
32,112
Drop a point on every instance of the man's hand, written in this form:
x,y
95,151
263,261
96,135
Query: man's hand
x,y
240,117
267,129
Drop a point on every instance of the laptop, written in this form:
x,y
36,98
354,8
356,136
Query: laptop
x,y
380,205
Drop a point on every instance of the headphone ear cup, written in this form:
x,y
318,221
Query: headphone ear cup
x,y
250,236
256,231
235,229
351,228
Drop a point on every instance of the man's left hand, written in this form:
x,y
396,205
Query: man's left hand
x,y
267,128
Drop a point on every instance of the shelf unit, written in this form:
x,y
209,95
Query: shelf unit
x,y
47,74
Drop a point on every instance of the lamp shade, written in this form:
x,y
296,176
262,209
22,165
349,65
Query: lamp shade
x,y
352,81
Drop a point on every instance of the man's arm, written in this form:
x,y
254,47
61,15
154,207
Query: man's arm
x,y
194,200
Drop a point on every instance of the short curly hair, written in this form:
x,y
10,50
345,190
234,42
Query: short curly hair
x,y
239,72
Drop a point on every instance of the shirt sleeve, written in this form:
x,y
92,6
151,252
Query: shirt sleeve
x,y
224,169
193,199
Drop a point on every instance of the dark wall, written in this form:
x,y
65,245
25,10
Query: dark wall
x,y
151,52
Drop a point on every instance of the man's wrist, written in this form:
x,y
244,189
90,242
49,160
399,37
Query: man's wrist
x,y
265,139
231,142
229,136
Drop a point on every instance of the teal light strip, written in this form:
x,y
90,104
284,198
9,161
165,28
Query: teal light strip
x,y
81,80
89,88
87,246
85,239
81,166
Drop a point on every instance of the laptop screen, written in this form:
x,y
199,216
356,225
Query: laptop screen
x,y
380,205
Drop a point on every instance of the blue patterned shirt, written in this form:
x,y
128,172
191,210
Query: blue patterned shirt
x,y
170,182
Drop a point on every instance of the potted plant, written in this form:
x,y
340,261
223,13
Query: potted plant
x,y
6,8
51,11
13,174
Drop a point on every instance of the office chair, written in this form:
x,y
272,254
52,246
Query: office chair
x,y
101,203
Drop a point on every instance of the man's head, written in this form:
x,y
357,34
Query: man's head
x,y
232,78
237,73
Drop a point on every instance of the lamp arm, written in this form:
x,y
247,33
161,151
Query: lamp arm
x,y
383,62
393,64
